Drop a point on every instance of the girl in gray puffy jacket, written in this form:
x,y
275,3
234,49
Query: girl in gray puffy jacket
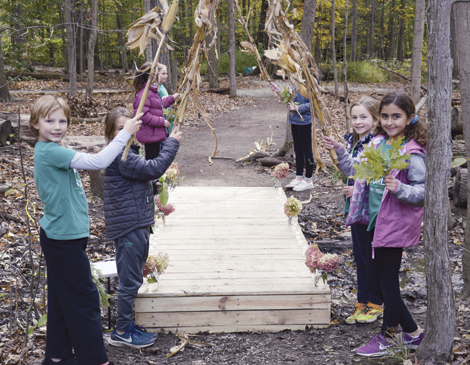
x,y
129,210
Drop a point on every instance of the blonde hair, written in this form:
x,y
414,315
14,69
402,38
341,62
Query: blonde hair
x,y
43,107
372,107
110,121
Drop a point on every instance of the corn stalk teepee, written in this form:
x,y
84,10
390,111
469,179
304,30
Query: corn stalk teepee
x,y
205,17
294,57
139,35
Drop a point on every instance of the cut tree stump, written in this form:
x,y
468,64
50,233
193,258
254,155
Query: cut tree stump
x,y
460,188
25,133
6,132
458,150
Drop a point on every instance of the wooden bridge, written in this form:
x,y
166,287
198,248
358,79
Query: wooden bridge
x,y
235,265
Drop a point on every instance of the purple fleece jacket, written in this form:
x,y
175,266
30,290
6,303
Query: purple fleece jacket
x,y
153,122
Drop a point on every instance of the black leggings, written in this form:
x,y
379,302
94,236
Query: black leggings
x,y
302,136
152,150
383,281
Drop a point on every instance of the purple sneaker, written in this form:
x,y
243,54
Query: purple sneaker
x,y
412,342
376,347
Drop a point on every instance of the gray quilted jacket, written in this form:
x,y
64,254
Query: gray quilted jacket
x,y
129,188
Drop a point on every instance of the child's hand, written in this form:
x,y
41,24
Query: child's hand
x,y
330,143
167,123
132,126
176,134
177,96
391,183
292,107
348,191
275,88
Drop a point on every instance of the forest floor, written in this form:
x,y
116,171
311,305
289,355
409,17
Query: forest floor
x,y
254,116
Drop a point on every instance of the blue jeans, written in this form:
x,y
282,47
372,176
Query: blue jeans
x,y
131,254
362,248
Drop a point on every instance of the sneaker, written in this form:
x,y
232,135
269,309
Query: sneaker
x,y
144,331
293,183
303,185
132,337
412,342
370,314
359,308
378,346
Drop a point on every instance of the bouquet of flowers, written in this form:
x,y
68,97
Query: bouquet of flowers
x,y
280,172
155,266
318,262
292,207
167,209
169,180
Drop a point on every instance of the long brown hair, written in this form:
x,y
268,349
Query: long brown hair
x,y
141,76
418,130
111,119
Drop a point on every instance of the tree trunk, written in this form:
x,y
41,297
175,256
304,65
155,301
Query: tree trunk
x,y
212,67
231,50
453,45
333,46
4,93
184,38
370,31
287,149
460,190
354,31
148,50
308,23
261,36
462,14
401,32
391,24
318,38
345,68
417,55
122,42
440,315
71,48
91,48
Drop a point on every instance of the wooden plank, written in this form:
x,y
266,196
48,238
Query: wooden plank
x,y
234,274
232,328
198,266
226,303
265,317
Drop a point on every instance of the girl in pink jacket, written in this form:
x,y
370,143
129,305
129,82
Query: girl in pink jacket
x,y
153,129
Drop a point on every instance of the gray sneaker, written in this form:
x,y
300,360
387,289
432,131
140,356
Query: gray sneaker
x,y
293,183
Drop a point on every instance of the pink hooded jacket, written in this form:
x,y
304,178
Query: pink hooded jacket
x,y
153,122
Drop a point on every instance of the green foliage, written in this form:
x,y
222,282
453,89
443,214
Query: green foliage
x,y
361,71
99,281
242,61
378,163
36,324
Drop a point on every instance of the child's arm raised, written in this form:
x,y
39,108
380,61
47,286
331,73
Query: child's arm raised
x,y
101,160
346,162
413,193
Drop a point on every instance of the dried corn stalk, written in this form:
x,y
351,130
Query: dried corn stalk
x,y
139,35
295,58
250,48
205,17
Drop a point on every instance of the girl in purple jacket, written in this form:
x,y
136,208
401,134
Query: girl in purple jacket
x,y
153,129
392,206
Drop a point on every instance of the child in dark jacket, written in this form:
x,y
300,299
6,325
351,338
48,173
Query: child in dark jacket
x,y
153,129
129,207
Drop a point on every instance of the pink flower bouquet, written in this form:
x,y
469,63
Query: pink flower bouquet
x,y
155,266
318,262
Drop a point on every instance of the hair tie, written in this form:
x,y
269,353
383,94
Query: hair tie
x,y
415,119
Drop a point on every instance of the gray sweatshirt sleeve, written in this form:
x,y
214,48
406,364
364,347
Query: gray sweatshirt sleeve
x,y
346,162
101,160
413,194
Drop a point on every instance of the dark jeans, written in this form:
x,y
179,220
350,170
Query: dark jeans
x,y
131,254
73,310
152,150
383,281
302,136
362,249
